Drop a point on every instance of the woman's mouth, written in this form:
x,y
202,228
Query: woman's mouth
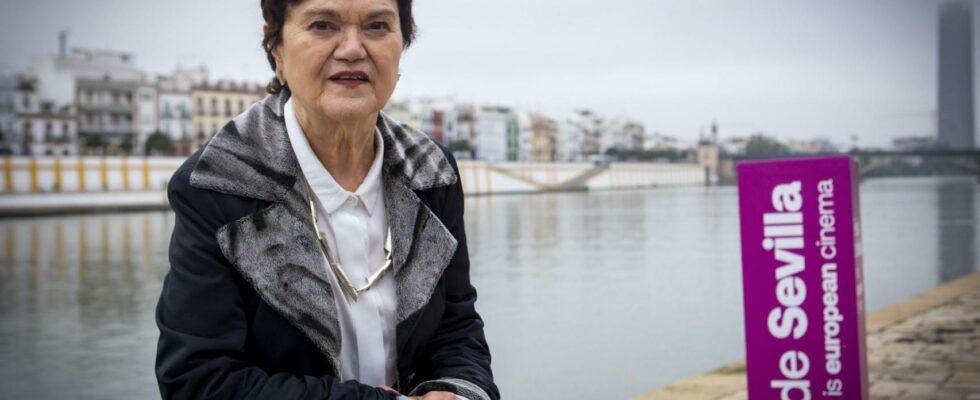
x,y
350,78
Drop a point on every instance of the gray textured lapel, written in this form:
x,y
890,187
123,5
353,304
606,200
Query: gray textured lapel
x,y
274,249
276,253
422,247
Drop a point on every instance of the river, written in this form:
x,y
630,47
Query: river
x,y
586,295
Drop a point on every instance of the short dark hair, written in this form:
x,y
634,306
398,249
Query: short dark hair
x,y
274,12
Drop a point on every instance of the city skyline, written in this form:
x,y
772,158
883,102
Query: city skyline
x,y
793,70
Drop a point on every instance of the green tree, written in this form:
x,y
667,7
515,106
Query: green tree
x,y
94,141
761,146
126,146
158,143
668,155
460,145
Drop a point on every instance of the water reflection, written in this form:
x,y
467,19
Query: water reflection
x,y
957,229
76,302
630,290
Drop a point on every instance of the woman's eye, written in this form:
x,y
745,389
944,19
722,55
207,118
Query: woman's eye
x,y
319,26
378,26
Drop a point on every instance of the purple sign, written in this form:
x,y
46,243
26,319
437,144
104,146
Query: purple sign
x,y
803,285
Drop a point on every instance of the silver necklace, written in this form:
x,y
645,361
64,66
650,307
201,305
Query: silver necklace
x,y
338,270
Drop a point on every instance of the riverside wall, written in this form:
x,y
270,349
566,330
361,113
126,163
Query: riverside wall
x,y
44,185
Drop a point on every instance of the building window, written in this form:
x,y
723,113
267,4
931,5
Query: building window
x,y
241,106
200,106
27,101
228,108
27,132
214,106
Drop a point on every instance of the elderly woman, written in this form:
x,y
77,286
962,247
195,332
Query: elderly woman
x,y
319,250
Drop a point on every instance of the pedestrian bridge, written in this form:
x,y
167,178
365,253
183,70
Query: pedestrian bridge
x,y
874,164
933,162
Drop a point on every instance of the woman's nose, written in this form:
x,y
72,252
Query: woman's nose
x,y
351,47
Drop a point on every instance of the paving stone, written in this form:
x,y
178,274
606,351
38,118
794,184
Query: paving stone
x,y
965,377
966,389
743,395
935,376
934,355
921,389
893,388
932,396
965,365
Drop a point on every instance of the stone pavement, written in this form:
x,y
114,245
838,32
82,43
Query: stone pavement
x,y
926,347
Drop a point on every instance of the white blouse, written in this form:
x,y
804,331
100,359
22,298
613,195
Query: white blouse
x,y
355,227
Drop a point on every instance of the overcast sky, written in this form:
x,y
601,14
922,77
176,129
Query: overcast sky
x,y
794,69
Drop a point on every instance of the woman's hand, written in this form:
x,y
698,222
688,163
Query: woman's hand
x,y
437,396
427,396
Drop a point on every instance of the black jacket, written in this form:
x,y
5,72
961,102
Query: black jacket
x,y
246,310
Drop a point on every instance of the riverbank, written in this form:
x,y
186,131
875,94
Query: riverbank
x,y
926,347
38,175
30,205
67,185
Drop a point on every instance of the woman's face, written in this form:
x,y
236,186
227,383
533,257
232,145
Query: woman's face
x,y
340,57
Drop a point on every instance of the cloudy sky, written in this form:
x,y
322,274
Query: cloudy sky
x,y
794,69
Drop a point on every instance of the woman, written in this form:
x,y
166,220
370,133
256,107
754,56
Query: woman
x,y
318,249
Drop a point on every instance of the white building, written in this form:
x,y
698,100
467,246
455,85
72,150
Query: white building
x,y
103,91
147,114
525,136
43,126
438,119
174,105
591,126
734,145
57,75
175,114
621,134
658,141
813,146
8,115
405,112
494,127
465,123
108,115
569,140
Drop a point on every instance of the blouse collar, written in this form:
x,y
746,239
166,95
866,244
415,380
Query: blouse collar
x,y
328,191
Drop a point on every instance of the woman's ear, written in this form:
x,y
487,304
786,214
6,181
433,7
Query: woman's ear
x,y
275,50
